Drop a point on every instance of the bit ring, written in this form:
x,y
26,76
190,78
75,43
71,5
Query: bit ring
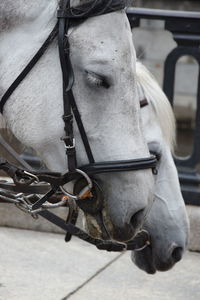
x,y
84,190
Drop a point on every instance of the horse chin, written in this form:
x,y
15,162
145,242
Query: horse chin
x,y
144,260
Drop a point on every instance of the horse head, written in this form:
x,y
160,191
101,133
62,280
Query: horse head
x,y
103,60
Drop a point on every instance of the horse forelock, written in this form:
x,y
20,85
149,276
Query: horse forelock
x,y
161,106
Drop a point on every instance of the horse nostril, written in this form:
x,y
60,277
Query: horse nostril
x,y
177,254
137,218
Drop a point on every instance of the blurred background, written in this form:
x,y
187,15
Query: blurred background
x,y
168,4
153,44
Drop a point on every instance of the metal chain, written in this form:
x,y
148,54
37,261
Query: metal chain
x,y
23,201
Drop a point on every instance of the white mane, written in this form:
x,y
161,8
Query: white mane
x,y
154,94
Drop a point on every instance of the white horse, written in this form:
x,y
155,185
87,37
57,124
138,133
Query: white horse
x,y
111,117
167,221
103,60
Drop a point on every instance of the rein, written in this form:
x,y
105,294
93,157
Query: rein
x,y
23,193
85,186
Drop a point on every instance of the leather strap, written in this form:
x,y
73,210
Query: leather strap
x,y
143,103
140,241
120,166
68,97
28,68
82,130
68,81
91,9
57,179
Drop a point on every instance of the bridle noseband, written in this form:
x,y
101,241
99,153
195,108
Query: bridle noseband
x,y
68,15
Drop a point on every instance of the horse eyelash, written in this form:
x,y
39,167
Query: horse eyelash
x,y
97,80
94,80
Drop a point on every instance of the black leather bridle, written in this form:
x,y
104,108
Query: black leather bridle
x,y
67,16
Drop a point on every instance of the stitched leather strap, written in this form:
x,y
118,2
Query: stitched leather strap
x,y
120,166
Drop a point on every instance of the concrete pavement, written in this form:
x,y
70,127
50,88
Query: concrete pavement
x,y
40,266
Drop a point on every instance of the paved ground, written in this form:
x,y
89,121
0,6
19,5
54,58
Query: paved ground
x,y
40,266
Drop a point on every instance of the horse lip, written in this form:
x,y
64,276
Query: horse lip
x,y
149,263
164,265
144,260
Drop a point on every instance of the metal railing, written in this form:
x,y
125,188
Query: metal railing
x,y
185,29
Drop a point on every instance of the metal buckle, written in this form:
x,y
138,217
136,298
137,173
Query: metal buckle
x,y
68,146
32,176
84,190
71,146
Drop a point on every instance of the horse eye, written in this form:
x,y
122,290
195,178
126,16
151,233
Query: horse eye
x,y
97,80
